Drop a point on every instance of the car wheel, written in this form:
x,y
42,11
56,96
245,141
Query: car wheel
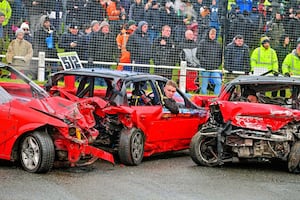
x,y
131,147
37,152
203,150
294,158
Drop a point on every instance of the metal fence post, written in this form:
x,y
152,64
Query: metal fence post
x,y
182,77
41,66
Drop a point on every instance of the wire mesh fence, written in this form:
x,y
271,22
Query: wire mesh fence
x,y
218,38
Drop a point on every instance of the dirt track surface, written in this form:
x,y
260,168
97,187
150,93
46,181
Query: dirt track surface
x,y
169,177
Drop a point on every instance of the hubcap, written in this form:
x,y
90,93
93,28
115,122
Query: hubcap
x,y
30,153
137,146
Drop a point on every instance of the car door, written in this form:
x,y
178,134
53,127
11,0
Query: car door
x,y
164,126
8,125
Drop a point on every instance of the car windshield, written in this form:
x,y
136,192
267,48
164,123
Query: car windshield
x,y
16,83
286,95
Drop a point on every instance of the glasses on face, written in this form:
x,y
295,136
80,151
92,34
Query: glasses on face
x,y
25,29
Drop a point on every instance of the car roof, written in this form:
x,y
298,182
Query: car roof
x,y
108,73
265,80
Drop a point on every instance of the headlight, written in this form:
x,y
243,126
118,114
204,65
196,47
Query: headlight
x,y
72,131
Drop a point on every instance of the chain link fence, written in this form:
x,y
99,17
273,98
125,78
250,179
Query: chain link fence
x,y
199,43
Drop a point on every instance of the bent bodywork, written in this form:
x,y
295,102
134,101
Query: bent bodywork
x,y
131,119
38,129
241,130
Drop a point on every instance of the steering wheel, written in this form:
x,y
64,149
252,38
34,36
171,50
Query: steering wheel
x,y
151,97
243,99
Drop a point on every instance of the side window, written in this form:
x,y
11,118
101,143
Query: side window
x,y
4,96
141,93
177,96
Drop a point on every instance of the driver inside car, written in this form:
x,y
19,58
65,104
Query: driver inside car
x,y
252,98
168,100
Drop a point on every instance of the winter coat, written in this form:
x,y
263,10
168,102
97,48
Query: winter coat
x,y
264,58
98,12
294,29
164,54
36,9
42,41
67,39
19,48
237,58
75,9
113,13
152,16
84,42
275,31
136,12
282,52
6,10
188,51
242,26
210,54
107,52
291,64
168,18
139,47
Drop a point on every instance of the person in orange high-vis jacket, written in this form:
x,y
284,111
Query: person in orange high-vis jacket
x,y
122,39
113,11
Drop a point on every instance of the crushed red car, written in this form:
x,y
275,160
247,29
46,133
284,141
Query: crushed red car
x,y
131,118
240,130
39,130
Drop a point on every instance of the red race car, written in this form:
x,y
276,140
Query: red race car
x,y
254,118
132,121
39,130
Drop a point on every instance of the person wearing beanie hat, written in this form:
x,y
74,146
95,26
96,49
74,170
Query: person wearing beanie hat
x,y
44,40
139,46
19,31
141,24
108,48
95,25
23,48
24,26
27,35
103,24
264,40
264,58
131,22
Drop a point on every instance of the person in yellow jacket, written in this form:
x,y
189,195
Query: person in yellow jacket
x,y
291,63
264,58
6,9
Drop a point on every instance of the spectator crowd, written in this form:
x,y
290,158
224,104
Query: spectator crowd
x,y
249,36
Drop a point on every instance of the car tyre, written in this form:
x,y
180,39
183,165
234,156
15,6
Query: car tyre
x,y
37,152
131,146
203,150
